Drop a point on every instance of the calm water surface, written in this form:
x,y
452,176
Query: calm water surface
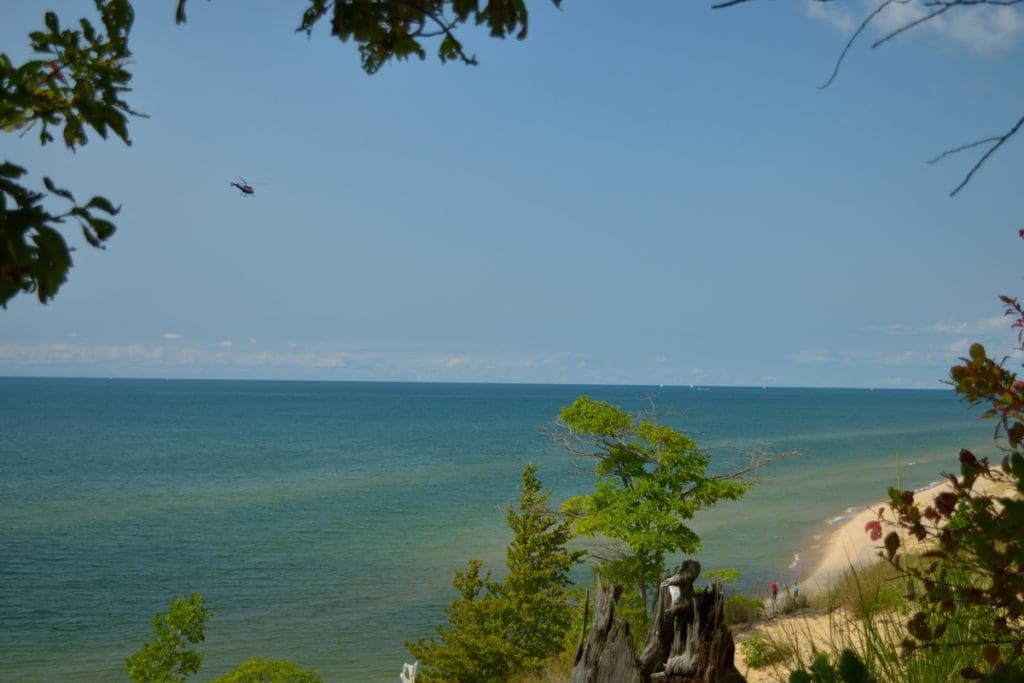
x,y
324,521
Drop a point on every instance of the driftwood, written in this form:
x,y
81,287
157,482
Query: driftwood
x,y
687,641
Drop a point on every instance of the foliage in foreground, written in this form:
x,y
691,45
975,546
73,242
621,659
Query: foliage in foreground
x,y
500,628
849,669
75,82
975,556
77,77
961,611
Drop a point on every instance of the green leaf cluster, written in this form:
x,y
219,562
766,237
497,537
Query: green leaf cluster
x,y
651,479
395,29
498,628
168,658
76,82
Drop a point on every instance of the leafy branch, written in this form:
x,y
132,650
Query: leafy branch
x,y
76,82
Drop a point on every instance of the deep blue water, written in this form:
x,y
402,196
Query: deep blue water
x,y
324,521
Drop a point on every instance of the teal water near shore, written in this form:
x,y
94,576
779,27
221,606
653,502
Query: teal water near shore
x,y
324,521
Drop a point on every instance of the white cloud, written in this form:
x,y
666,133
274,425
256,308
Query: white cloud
x,y
983,29
885,358
872,358
833,13
172,335
987,30
811,356
230,361
995,323
960,346
227,344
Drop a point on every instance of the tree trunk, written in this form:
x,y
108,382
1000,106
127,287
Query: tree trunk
x,y
687,642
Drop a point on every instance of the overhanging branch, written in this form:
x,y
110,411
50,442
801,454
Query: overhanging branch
x,y
936,9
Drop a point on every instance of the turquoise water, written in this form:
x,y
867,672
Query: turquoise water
x,y
324,521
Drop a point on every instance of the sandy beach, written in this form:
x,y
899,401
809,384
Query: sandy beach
x,y
847,546
850,546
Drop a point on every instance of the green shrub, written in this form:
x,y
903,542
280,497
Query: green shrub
x,y
742,609
761,652
867,590
257,670
793,603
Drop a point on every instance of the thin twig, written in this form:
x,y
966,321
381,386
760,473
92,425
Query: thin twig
x,y
984,157
849,43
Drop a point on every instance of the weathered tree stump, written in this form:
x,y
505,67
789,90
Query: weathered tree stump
x,y
687,641
607,654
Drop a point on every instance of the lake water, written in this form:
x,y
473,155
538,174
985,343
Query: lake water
x,y
324,521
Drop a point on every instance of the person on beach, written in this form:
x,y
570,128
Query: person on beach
x,y
775,590
796,590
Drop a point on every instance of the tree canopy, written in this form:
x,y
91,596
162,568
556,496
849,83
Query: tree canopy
x,y
651,480
168,658
497,628
397,29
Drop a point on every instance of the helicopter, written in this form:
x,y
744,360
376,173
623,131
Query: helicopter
x,y
243,186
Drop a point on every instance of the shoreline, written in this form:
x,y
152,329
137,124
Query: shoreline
x,y
848,546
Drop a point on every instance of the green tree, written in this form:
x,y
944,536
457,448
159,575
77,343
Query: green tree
x,y
168,658
499,628
651,479
473,647
257,670
537,585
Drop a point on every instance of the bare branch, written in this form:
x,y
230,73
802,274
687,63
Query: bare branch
x,y
849,43
962,148
916,22
755,461
937,8
998,142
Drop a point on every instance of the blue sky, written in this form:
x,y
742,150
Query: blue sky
x,y
650,193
